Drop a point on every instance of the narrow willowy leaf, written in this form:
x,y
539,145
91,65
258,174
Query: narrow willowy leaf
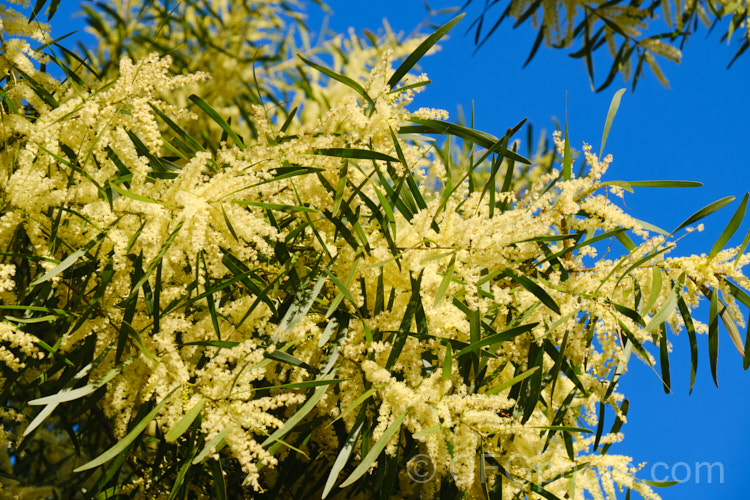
x,y
705,211
211,445
184,423
445,281
664,359
340,78
496,339
665,184
613,107
159,256
303,301
732,226
125,442
668,307
215,116
343,456
355,154
421,50
567,161
535,289
510,383
69,260
376,449
713,336
275,206
690,327
292,422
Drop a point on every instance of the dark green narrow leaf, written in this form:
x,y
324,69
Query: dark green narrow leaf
x,y
665,184
617,424
210,298
217,474
535,47
746,355
403,330
690,327
286,358
420,51
215,116
356,154
339,195
288,120
664,358
705,211
599,425
483,139
340,78
732,226
535,289
496,339
713,335
156,261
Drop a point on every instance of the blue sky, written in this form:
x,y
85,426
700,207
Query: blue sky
x,y
695,130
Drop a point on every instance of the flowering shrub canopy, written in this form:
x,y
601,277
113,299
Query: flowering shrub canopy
x,y
277,275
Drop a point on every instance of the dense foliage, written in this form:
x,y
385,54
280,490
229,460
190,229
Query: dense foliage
x,y
237,263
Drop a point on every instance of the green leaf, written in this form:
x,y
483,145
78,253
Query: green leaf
x,y
713,335
617,424
217,474
613,106
68,261
343,457
567,162
535,289
374,452
705,211
340,78
562,428
403,330
477,137
286,358
732,226
159,256
660,484
690,327
664,359
668,306
275,206
448,362
133,196
445,281
297,417
184,423
215,116
421,50
496,339
355,154
665,184
361,399
301,305
209,447
121,445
